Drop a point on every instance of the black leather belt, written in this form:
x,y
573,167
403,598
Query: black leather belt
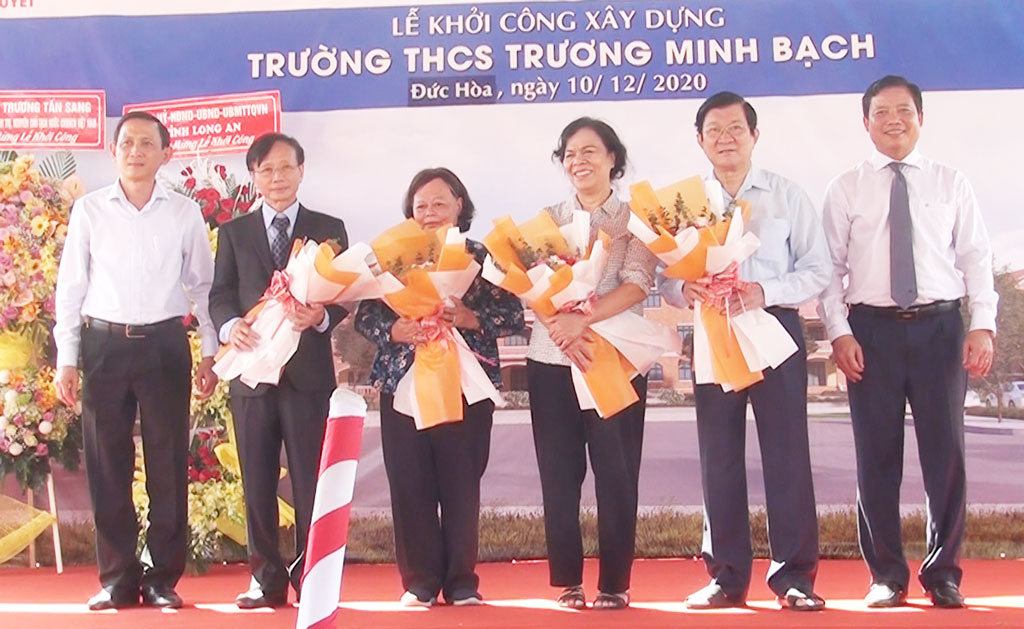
x,y
908,314
131,330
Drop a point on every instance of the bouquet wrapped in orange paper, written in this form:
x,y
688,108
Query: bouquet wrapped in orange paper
x,y
315,274
695,235
556,268
420,270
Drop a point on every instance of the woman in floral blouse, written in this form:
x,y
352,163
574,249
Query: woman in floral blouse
x,y
440,465
592,157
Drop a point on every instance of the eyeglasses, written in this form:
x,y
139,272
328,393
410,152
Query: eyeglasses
x,y
734,131
268,172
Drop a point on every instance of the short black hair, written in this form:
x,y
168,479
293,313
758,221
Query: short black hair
x,y
455,184
891,80
725,99
611,141
261,146
165,136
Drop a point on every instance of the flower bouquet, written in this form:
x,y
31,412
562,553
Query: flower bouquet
x,y
315,274
420,271
220,196
555,269
696,236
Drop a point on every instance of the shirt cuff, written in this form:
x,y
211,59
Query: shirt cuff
x,y
67,356
983,319
672,292
225,330
839,328
324,323
208,344
771,289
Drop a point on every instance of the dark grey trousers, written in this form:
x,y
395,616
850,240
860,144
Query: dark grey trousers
x,y
780,412
920,362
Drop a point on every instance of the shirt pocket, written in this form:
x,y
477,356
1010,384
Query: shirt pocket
x,y
774,236
162,253
935,220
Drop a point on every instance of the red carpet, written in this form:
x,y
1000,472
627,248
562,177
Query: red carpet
x,y
518,596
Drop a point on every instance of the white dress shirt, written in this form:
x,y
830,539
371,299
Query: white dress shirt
x,y
792,264
126,265
292,212
952,255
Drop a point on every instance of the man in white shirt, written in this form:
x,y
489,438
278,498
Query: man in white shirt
x,y
907,243
790,267
137,258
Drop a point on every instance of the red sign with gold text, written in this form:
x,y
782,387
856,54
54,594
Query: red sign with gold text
x,y
213,125
52,119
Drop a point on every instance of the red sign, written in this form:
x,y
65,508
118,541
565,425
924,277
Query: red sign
x,y
52,119
216,124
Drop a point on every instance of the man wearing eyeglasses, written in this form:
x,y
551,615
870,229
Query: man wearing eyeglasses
x,y
250,249
790,267
908,243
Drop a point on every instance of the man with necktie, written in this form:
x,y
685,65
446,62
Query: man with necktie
x,y
249,249
907,243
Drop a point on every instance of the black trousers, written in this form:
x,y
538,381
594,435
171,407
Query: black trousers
x,y
437,467
920,362
151,376
562,435
262,423
780,413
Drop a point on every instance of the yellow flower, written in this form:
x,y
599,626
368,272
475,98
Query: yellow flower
x,y
40,224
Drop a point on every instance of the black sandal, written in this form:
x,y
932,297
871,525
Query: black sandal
x,y
605,600
572,598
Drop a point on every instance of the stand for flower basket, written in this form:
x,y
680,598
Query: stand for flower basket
x,y
54,528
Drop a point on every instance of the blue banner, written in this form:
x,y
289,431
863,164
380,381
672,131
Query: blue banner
x,y
523,52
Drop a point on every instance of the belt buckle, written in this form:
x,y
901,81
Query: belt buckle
x,y
128,333
907,315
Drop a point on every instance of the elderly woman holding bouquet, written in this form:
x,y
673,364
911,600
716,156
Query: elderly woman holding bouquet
x,y
441,465
593,157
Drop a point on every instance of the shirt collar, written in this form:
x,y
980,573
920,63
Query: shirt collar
x,y
117,194
878,160
756,178
611,206
292,211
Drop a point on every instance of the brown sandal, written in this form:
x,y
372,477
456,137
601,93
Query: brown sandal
x,y
572,598
605,600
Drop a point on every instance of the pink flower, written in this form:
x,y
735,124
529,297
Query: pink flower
x,y
25,196
42,449
190,183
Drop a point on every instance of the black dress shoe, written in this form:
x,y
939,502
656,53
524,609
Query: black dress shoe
x,y
160,596
256,598
946,595
712,596
113,598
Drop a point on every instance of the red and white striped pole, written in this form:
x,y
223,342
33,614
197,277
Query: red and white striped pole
x,y
328,533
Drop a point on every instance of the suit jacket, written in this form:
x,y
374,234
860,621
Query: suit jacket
x,y
242,272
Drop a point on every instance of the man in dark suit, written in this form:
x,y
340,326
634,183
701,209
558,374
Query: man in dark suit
x,y
249,249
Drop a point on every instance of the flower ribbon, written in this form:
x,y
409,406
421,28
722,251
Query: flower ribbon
x,y
434,330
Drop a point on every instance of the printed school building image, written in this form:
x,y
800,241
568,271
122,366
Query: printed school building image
x,y
673,371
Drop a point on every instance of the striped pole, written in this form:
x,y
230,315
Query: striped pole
x,y
328,533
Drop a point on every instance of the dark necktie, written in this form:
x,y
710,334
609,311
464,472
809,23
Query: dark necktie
x,y
279,245
902,277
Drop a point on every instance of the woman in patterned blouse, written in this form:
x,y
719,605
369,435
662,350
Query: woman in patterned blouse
x,y
440,465
592,156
